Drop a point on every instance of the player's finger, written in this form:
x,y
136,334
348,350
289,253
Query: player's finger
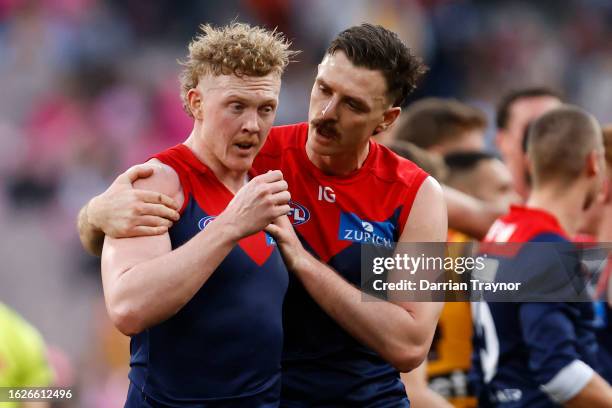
x,y
280,210
273,230
271,176
142,231
278,186
283,221
139,171
157,198
159,210
153,221
281,198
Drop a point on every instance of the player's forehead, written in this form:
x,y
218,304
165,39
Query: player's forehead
x,y
252,88
338,72
526,109
472,139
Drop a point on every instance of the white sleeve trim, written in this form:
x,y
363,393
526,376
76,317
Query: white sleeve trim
x,y
568,382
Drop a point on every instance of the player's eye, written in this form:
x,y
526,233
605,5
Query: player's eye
x,y
354,106
266,109
325,90
236,107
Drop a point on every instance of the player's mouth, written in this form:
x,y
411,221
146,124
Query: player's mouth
x,y
326,132
245,147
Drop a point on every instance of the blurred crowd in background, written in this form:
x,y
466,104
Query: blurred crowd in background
x,y
89,88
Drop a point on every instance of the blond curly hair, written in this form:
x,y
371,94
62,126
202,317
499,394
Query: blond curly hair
x,y
238,49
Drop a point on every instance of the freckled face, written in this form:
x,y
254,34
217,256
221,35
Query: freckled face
x,y
237,114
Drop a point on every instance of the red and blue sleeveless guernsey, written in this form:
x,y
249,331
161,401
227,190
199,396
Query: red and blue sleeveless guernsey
x,y
333,215
532,355
223,348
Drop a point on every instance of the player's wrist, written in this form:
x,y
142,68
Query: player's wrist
x,y
91,212
301,261
228,228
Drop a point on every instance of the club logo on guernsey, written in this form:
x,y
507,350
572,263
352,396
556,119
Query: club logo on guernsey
x,y
298,214
205,221
354,229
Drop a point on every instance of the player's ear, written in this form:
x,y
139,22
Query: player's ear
x,y
194,97
593,167
389,117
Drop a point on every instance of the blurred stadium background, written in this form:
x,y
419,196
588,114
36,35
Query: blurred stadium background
x,y
89,87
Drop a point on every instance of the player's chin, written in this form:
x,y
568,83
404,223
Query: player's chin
x,y
324,148
241,163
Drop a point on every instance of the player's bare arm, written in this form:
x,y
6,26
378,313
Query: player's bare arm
x,y
123,211
420,394
146,282
595,394
400,332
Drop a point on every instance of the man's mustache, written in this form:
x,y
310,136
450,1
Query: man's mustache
x,y
325,126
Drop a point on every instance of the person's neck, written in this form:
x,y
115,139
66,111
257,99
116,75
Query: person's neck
x,y
339,164
565,203
233,180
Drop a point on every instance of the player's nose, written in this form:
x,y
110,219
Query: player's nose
x,y
251,123
329,109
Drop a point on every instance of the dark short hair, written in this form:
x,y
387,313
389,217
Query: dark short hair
x,y
466,161
431,121
502,116
374,47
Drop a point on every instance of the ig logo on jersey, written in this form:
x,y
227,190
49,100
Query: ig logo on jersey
x,y
327,194
205,221
298,214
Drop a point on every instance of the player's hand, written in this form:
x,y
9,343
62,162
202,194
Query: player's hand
x,y
287,241
260,201
122,211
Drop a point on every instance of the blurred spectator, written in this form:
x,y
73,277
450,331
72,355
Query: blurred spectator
x,y
442,126
515,111
483,176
